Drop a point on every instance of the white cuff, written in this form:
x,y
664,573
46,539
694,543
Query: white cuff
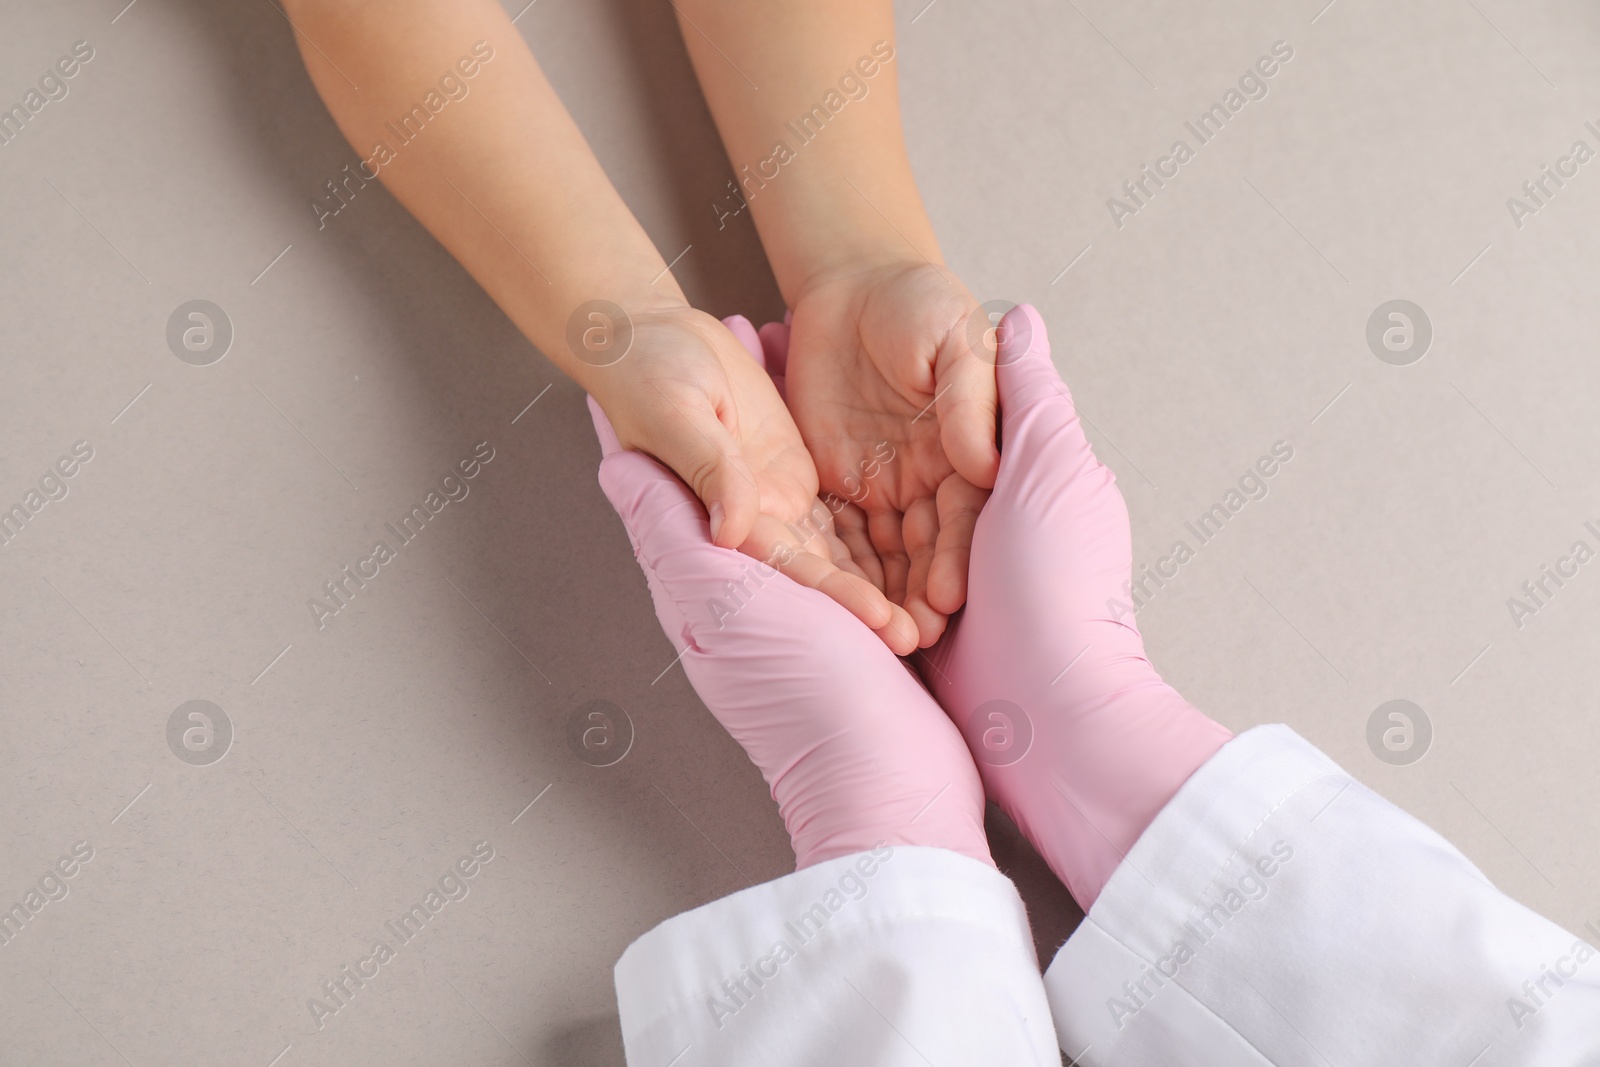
x,y
894,956
1279,912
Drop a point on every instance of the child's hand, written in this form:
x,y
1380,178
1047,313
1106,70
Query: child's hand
x,y
688,393
883,361
854,748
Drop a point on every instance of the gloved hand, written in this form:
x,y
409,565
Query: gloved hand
x,y
854,749
1077,737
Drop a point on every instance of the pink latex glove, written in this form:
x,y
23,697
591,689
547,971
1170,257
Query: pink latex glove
x,y
855,750
1077,737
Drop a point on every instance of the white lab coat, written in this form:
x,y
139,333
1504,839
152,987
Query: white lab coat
x,y
1276,912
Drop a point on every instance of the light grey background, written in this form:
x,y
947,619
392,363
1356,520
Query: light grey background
x,y
1226,315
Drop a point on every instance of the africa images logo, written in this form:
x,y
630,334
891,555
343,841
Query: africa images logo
x,y
342,588
741,989
1207,921
1205,128
450,887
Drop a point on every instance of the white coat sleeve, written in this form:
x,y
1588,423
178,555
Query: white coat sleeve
x,y
898,956
1279,912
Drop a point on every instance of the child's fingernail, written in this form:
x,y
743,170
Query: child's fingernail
x,y
716,518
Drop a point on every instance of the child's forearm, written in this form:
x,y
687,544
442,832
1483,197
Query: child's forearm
x,y
804,93
496,169
499,174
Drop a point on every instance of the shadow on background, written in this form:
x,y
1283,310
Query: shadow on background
x,y
1052,912
595,1042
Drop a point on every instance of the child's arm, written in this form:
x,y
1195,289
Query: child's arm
x,y
493,165
886,358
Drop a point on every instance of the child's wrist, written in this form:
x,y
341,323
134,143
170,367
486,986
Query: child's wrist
x,y
596,332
